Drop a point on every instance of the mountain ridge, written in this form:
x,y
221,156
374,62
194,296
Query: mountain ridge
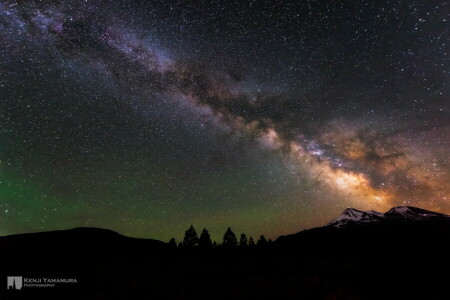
x,y
354,217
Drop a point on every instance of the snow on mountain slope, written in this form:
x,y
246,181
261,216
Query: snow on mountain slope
x,y
374,212
410,212
352,216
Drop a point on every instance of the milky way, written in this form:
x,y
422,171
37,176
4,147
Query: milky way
x,y
267,116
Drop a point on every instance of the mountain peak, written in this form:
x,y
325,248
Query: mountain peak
x,y
411,212
352,215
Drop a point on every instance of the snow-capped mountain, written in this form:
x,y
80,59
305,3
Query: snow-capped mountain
x,y
351,216
410,212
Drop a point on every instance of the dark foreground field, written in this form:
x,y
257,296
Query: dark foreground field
x,y
402,260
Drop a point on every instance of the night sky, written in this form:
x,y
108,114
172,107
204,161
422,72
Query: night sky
x,y
267,116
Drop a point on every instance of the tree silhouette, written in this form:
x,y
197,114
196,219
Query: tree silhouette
x,y
190,238
243,241
214,244
251,242
172,243
262,241
205,240
229,239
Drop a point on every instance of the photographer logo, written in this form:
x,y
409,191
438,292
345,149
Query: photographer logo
x,y
15,282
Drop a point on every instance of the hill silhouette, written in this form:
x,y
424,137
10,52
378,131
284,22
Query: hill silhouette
x,y
80,242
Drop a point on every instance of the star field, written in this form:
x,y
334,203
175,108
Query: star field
x,y
267,116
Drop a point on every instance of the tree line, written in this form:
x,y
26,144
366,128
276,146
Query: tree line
x,y
191,240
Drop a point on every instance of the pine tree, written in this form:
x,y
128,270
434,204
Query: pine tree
x,y
262,241
205,240
172,243
229,239
251,242
190,238
243,241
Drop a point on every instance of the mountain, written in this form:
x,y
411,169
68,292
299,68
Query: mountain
x,y
355,232
413,213
379,253
78,243
354,217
